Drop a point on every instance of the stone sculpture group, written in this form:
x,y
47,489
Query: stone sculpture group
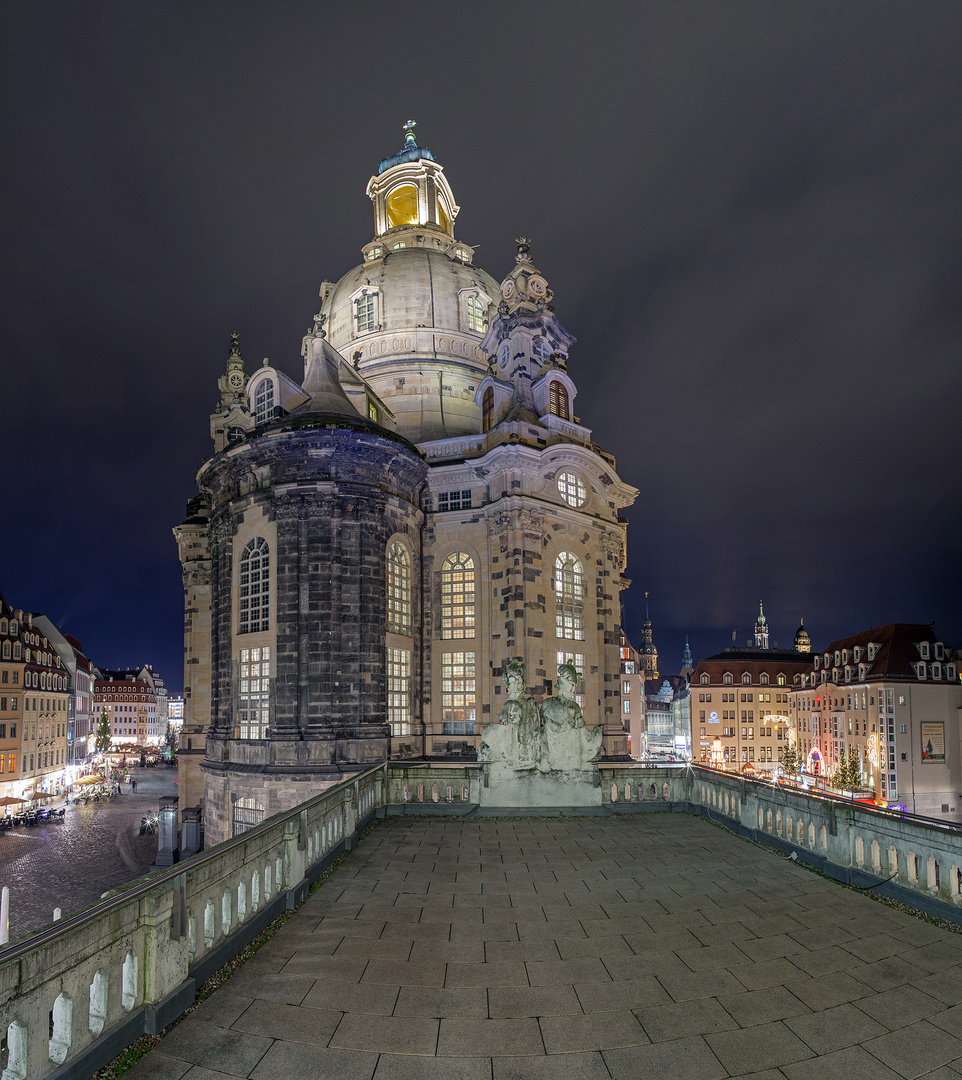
x,y
550,740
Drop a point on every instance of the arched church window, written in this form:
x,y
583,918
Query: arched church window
x,y
457,596
487,409
569,588
264,401
558,399
402,206
476,320
398,590
255,577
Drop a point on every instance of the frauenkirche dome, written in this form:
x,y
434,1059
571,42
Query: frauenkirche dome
x,y
411,317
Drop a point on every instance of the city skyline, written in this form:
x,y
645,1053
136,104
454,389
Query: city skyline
x,y
748,218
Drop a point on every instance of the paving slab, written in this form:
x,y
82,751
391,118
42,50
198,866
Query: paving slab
x,y
656,945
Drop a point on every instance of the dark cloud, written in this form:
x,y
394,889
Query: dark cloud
x,y
748,212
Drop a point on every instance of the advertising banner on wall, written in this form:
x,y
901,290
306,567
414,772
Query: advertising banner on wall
x,y
933,742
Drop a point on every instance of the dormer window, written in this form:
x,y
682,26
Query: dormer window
x,y
746,679
727,678
857,653
872,650
848,672
366,311
920,670
861,672
844,656
263,401
838,658
705,678
936,671
923,648
780,680
938,650
763,679
950,672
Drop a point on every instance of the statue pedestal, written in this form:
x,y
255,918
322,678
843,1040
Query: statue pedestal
x,y
505,786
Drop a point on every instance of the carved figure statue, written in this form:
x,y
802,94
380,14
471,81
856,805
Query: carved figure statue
x,y
571,745
516,737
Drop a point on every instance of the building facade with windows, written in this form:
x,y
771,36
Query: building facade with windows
x,y
136,704
891,698
360,569
741,700
80,676
12,668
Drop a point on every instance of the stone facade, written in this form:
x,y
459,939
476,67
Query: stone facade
x,y
368,554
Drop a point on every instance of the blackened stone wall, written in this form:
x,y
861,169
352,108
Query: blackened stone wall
x,y
336,493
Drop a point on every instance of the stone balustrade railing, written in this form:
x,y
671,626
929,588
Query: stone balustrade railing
x,y
75,994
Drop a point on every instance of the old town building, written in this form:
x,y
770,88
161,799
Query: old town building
x,y
889,697
136,704
373,544
740,703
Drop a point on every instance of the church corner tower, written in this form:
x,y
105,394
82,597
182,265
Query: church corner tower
x,y
380,534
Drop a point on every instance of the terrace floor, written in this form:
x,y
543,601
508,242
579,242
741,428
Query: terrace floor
x,y
651,945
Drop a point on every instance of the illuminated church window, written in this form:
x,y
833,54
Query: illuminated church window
x,y
253,698
558,400
572,488
398,590
402,206
365,313
264,401
569,597
399,691
457,596
458,689
476,320
254,587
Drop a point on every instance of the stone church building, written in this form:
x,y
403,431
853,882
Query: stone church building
x,y
375,540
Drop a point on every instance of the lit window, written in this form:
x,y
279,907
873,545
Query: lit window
x,y
487,409
572,488
558,399
399,691
398,590
458,693
454,500
475,312
542,350
247,814
569,597
365,312
264,401
578,659
372,411
254,587
255,670
457,596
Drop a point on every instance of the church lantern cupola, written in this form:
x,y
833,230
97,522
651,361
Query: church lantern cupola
x,y
411,193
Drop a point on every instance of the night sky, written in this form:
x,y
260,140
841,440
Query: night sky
x,y
749,213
